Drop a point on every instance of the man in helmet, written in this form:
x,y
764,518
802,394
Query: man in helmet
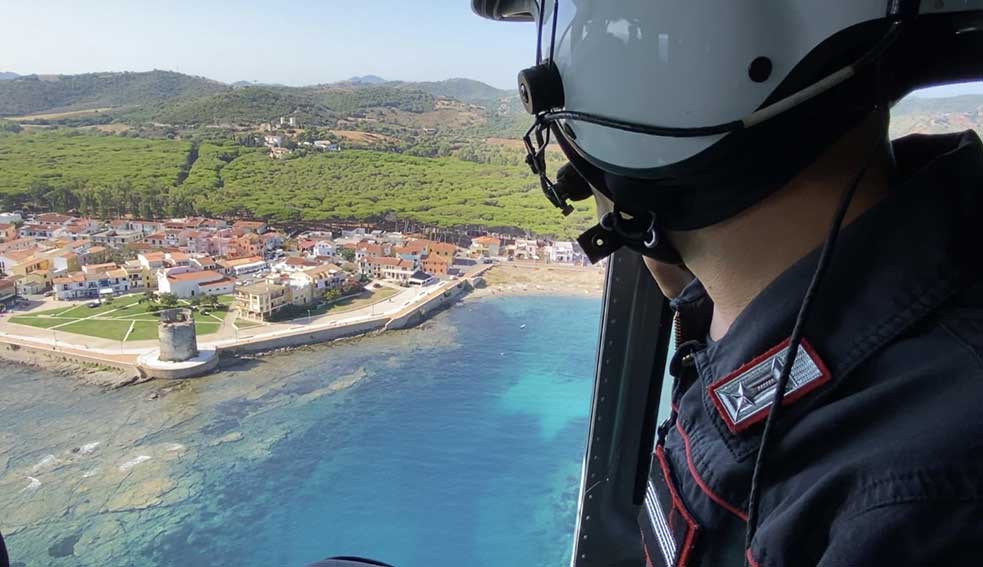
x,y
828,378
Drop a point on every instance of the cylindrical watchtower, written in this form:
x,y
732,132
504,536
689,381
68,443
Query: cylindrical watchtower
x,y
178,341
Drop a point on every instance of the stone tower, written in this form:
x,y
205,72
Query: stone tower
x,y
178,341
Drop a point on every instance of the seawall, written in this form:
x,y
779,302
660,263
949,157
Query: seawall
x,y
430,302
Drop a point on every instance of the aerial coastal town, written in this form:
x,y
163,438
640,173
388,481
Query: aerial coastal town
x,y
84,283
70,258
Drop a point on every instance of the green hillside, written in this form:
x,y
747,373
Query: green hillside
x,y
112,175
33,94
243,106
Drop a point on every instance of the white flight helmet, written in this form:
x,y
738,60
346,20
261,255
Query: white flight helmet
x,y
695,110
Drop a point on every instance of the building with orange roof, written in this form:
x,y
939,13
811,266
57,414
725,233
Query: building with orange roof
x,y
187,284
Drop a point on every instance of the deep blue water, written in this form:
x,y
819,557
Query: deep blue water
x,y
447,454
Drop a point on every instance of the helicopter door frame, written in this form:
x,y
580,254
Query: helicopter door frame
x,y
636,325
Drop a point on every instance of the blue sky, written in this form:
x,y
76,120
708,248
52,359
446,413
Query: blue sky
x,y
294,42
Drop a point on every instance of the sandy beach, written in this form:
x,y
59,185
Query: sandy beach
x,y
519,278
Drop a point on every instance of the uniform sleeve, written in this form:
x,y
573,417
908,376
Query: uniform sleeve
x,y
948,533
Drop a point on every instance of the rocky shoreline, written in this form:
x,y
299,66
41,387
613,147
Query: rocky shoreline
x,y
87,374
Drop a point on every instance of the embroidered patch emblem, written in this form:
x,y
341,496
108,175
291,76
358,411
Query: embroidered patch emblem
x,y
742,398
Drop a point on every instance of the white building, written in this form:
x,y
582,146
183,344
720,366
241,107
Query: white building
x,y
561,252
324,249
187,284
84,285
10,218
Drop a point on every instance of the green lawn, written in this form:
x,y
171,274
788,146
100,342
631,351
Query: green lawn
x,y
143,331
53,312
206,327
39,322
101,328
112,320
138,311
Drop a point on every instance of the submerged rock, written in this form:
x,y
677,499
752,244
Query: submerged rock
x,y
64,547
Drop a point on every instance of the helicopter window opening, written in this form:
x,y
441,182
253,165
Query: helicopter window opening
x,y
939,110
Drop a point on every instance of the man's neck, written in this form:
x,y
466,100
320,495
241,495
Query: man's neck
x,y
736,259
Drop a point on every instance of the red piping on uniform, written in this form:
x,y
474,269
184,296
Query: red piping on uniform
x,y
677,504
645,549
750,558
761,414
703,486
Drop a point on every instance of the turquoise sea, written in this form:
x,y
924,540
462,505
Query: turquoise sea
x,y
456,443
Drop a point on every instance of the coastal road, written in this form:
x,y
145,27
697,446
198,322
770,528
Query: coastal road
x,y
117,351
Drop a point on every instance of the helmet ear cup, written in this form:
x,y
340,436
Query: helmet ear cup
x,y
570,185
541,88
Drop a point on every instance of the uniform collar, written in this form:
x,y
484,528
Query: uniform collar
x,y
894,265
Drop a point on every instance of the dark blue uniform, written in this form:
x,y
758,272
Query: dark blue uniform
x,y
878,458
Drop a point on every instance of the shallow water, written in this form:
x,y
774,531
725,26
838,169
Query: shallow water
x,y
457,443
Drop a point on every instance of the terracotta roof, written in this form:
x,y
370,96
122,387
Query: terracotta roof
x,y
374,249
216,283
322,269
240,261
21,255
444,247
384,261
487,240
99,267
70,278
298,261
195,276
248,224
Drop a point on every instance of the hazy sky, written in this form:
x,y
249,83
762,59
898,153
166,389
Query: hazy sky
x,y
294,42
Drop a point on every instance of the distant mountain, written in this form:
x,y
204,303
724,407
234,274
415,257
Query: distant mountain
x,y
401,111
465,90
366,80
42,93
6,76
937,115
240,84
